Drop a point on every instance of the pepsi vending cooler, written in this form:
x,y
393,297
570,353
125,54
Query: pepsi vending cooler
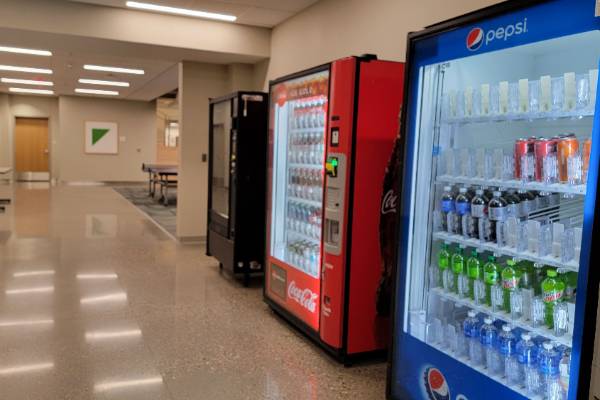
x,y
496,296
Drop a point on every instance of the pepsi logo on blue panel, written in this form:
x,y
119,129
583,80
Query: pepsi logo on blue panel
x,y
435,384
475,39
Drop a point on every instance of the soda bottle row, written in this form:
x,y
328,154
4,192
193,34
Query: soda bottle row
x,y
304,255
308,150
308,117
304,219
519,219
537,365
306,183
524,290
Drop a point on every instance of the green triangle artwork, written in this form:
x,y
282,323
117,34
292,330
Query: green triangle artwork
x,y
101,138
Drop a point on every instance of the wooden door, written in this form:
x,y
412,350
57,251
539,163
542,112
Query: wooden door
x,y
31,145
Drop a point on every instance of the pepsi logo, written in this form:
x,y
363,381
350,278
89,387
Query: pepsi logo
x,y
436,385
475,39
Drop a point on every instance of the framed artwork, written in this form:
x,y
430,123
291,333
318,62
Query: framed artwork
x,y
101,138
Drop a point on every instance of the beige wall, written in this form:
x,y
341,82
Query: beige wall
x,y
5,158
137,125
332,29
197,83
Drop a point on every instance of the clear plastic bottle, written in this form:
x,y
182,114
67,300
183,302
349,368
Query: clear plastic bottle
x,y
458,266
447,205
497,214
471,327
527,356
491,275
443,263
463,211
513,201
565,371
474,271
479,211
487,337
553,290
510,282
549,367
507,342
527,203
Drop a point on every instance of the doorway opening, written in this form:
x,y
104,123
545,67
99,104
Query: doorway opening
x,y
31,150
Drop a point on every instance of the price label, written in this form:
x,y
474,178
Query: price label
x,y
570,91
523,95
485,99
545,93
503,93
469,101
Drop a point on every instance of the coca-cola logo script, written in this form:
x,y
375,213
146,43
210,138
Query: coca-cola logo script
x,y
305,297
389,202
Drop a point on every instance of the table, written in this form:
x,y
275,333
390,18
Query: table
x,y
153,177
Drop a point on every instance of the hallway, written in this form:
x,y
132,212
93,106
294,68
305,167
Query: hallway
x,y
97,302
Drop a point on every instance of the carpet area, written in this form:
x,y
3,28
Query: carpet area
x,y
164,216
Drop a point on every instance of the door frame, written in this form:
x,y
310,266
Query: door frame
x,y
13,146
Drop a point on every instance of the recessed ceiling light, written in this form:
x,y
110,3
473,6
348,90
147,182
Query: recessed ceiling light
x,y
31,91
95,91
25,69
26,82
104,83
181,11
33,52
120,70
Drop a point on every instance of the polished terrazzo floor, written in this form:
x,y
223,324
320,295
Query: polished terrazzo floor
x,y
96,302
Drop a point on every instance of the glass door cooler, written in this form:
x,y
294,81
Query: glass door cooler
x,y
496,295
331,131
236,192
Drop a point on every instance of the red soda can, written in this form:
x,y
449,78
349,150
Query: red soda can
x,y
567,146
523,147
543,147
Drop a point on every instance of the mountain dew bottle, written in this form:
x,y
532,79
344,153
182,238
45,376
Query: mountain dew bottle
x,y
458,265
510,282
443,262
553,290
473,271
490,278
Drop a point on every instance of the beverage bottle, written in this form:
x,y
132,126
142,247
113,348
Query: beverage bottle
x,y
527,203
471,327
549,367
527,355
478,211
490,278
448,207
487,337
497,213
463,211
443,262
458,265
565,371
539,274
474,271
569,278
507,342
510,283
513,207
526,272
553,290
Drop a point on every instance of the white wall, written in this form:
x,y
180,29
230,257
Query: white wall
x,y
5,157
332,29
136,123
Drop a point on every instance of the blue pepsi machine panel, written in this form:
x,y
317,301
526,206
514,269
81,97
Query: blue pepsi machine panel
x,y
499,188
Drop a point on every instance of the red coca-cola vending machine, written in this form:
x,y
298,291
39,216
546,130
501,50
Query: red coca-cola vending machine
x,y
331,132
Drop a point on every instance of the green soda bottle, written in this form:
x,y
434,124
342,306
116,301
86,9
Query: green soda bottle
x,y
490,278
526,271
473,271
510,283
443,262
458,265
553,290
570,280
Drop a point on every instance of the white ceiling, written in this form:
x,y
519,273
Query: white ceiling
x,y
266,13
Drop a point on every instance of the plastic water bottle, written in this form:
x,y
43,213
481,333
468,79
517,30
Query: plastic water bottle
x,y
565,371
507,342
448,208
527,355
549,365
471,327
487,337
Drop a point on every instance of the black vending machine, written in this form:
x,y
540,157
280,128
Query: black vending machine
x,y
236,190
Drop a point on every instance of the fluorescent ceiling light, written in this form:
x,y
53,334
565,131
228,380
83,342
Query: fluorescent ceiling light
x,y
26,51
104,83
105,298
32,91
26,368
119,70
25,322
26,82
95,91
41,289
100,335
33,273
127,383
25,69
97,276
181,11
